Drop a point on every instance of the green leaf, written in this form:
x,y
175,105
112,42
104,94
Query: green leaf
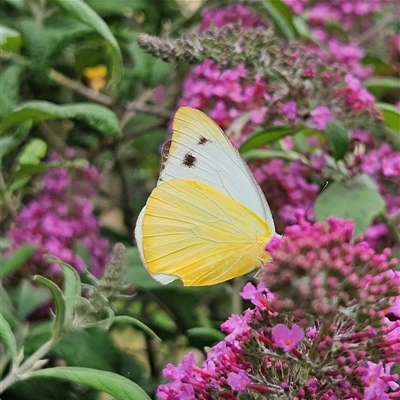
x,y
59,301
339,138
18,4
82,12
266,136
281,15
72,287
357,199
83,252
151,70
118,7
7,308
303,29
13,139
28,163
204,336
263,154
7,336
16,259
382,84
33,152
9,87
115,385
136,274
10,39
96,116
96,349
391,115
39,47
28,298
124,319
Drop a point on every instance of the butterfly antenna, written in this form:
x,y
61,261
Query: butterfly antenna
x,y
312,203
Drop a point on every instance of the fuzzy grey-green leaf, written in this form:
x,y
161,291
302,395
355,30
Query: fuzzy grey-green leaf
x,y
357,199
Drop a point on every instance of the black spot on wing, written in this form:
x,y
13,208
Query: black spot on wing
x,y
202,140
189,160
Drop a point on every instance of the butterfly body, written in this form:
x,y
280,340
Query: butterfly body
x,y
207,220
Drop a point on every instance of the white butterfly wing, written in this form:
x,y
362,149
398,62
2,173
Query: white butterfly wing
x,y
201,151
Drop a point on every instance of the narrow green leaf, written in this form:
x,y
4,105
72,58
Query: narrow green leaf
x,y
8,337
115,385
339,138
23,174
10,39
282,16
7,308
118,7
263,154
9,87
72,286
13,139
16,259
28,163
59,302
82,12
382,84
357,199
96,116
18,4
303,29
391,115
266,136
40,47
124,319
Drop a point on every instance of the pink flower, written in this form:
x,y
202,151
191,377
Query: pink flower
x,y
395,308
321,116
236,325
289,110
285,338
259,295
238,380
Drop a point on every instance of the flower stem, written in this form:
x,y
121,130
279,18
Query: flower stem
x,y
27,366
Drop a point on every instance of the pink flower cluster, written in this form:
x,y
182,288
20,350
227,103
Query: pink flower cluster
x,y
231,14
330,331
287,189
226,94
349,15
59,216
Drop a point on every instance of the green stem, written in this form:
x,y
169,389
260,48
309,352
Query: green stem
x,y
28,365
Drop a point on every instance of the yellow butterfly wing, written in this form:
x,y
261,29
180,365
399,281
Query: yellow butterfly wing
x,y
192,231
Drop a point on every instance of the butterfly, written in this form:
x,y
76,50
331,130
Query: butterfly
x,y
207,220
